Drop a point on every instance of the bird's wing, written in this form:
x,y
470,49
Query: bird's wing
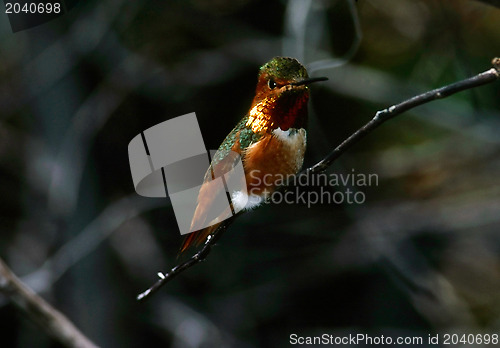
x,y
223,161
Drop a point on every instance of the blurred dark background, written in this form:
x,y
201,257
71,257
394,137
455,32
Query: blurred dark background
x,y
420,256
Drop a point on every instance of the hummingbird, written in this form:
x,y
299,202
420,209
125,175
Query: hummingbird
x,y
270,140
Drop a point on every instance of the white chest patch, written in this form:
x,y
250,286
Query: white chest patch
x,y
242,201
292,136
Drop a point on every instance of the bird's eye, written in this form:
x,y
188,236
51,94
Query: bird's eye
x,y
272,84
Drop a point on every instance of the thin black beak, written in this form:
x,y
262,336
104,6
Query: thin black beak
x,y
309,80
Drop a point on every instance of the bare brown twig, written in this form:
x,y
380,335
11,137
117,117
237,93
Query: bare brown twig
x,y
37,309
193,260
397,109
380,117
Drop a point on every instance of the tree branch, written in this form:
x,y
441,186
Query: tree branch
x,y
397,109
38,310
193,260
380,117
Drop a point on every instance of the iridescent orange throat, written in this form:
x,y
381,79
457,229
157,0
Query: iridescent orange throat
x,y
284,110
